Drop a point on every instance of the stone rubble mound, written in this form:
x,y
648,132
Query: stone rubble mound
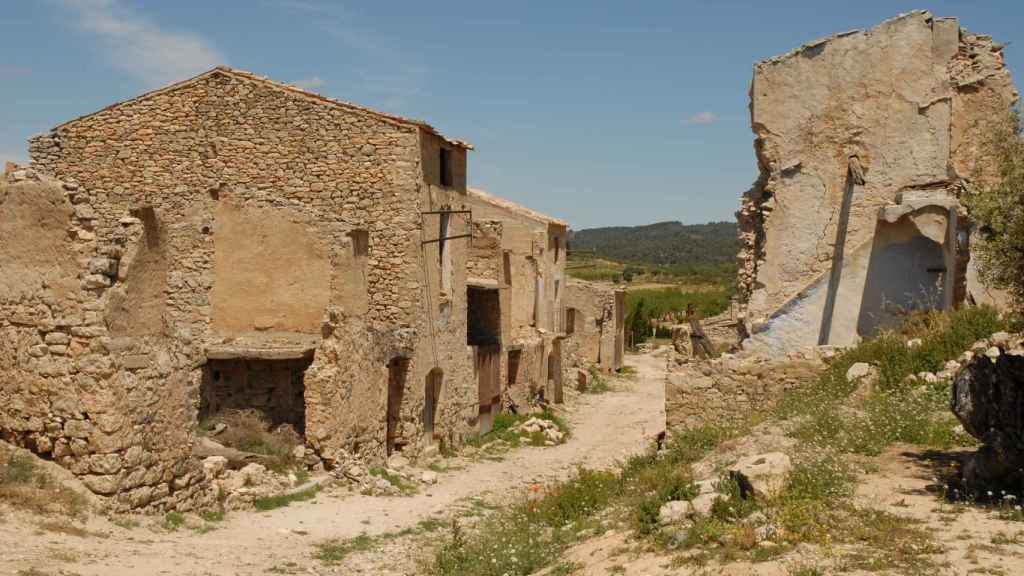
x,y
552,435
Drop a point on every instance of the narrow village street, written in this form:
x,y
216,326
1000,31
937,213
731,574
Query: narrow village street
x,y
605,428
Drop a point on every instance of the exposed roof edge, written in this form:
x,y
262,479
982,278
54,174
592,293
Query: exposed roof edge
x,y
825,40
514,207
249,76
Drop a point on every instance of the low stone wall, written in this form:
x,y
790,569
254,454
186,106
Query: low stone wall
x,y
730,387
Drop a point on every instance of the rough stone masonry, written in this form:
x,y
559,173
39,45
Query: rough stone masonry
x,y
156,247
865,142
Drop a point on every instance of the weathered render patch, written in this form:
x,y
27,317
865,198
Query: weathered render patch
x,y
883,115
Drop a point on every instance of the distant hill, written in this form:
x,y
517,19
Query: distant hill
x,y
662,244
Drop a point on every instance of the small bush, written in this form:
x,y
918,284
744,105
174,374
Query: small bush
x,y
173,520
212,515
333,551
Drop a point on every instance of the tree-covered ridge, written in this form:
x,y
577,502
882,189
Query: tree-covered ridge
x,y
662,243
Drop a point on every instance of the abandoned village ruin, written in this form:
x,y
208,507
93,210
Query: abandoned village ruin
x,y
866,143
230,242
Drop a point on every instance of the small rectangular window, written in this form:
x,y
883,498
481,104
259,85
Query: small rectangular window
x,y
360,243
570,320
446,167
506,262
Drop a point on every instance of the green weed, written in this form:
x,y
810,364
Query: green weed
x,y
281,500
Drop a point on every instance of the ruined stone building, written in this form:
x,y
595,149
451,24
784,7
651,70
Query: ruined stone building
x,y
516,279
595,325
233,242
865,141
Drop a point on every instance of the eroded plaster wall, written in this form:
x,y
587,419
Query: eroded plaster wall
x,y
908,99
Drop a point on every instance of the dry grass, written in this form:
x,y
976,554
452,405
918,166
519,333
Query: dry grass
x,y
251,431
24,486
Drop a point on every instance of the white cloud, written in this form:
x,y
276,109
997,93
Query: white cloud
x,y
310,83
133,43
703,118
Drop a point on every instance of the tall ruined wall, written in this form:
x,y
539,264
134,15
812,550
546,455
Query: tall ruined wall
x,y
593,339
202,164
908,99
107,405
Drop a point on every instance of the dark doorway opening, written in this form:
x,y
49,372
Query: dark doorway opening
x,y
483,322
488,370
514,357
276,388
398,370
431,396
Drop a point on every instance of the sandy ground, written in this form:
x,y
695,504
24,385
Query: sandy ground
x,y
605,428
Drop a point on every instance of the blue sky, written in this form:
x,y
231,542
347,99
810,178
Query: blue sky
x,y
601,113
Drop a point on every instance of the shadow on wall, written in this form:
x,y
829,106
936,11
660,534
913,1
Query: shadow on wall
x,y
905,273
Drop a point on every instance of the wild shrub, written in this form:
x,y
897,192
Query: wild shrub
x,y
997,206
897,412
333,551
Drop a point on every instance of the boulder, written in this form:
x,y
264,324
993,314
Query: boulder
x,y
988,398
857,371
214,466
702,504
429,477
674,511
765,473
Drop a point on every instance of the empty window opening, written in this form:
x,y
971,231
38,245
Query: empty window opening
x,y
538,299
558,247
445,159
274,388
506,266
444,257
398,370
483,317
360,243
432,393
570,320
514,356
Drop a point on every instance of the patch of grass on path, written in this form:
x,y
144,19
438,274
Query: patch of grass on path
x,y
282,500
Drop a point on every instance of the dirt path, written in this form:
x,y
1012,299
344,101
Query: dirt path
x,y
605,428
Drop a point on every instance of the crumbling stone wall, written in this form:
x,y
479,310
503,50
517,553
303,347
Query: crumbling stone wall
x,y
596,331
155,181
108,407
907,102
729,388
